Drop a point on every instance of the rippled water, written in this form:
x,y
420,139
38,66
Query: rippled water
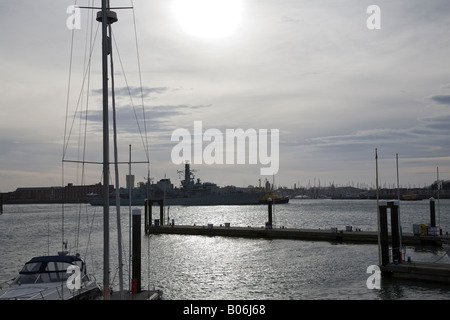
x,y
198,267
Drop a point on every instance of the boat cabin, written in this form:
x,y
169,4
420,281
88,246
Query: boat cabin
x,y
47,269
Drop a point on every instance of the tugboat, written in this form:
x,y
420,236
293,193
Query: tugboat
x,y
275,198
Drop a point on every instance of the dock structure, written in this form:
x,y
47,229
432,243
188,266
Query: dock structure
x,y
143,295
268,232
331,234
397,267
422,271
148,211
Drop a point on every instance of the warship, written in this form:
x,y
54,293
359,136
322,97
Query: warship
x,y
192,192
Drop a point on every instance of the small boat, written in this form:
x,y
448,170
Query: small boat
x,y
51,278
410,197
302,196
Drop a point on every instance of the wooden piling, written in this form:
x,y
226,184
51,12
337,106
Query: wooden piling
x,y
395,232
161,212
269,208
148,215
136,261
432,213
147,219
384,242
148,212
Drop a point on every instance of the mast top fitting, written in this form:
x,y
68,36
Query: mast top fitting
x,y
111,17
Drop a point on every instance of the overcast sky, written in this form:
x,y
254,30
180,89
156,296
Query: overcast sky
x,y
333,87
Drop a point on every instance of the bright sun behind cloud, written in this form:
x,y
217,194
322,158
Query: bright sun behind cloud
x,y
209,19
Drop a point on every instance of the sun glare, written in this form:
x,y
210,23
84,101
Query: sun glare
x,y
208,19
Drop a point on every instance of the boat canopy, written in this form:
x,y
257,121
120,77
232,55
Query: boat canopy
x,y
49,269
58,258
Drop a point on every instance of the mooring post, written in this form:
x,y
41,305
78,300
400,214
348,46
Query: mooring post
x,y
136,272
432,213
270,202
150,205
146,225
161,212
384,240
395,232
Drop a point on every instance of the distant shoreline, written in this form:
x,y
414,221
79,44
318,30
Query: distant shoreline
x,y
34,201
37,201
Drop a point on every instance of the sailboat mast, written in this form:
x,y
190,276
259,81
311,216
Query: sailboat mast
x,y
129,219
105,40
378,206
438,190
106,17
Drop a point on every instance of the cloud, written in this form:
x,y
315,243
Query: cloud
x,y
134,91
441,99
440,122
427,138
313,70
159,118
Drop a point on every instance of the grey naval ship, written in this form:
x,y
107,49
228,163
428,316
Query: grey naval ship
x,y
192,192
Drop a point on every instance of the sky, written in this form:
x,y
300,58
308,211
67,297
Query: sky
x,y
336,79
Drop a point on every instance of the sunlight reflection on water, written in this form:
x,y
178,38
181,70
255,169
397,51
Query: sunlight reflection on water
x,y
196,267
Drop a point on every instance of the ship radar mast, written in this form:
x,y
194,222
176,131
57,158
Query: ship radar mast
x,y
188,181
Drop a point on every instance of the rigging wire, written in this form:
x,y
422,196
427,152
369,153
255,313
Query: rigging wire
x,y
144,137
68,132
65,130
82,109
116,166
87,66
146,146
144,140
79,113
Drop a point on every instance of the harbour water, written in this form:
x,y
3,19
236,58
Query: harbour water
x,y
213,268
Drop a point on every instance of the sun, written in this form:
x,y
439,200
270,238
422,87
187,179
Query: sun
x,y
209,19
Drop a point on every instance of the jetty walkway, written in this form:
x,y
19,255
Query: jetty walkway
x,y
333,235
